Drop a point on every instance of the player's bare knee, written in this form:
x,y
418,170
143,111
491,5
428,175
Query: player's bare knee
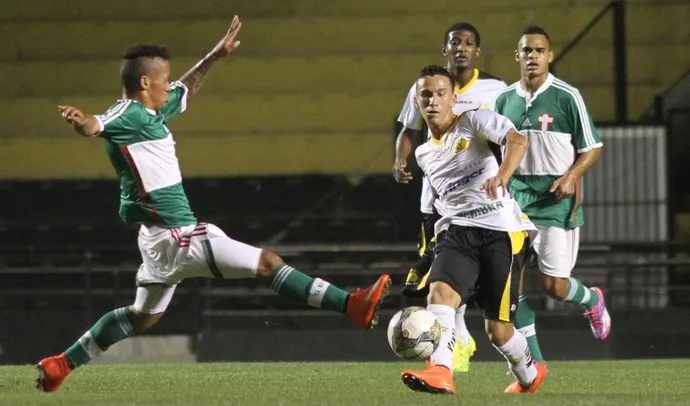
x,y
267,263
555,287
499,332
143,321
442,293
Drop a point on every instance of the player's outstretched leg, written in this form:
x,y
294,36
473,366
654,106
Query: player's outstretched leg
x,y
233,259
360,307
109,329
465,345
114,326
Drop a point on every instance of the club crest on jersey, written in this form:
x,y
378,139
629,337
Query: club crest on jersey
x,y
483,107
545,121
461,145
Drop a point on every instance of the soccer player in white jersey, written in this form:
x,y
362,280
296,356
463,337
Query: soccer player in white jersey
x,y
473,90
173,244
482,236
564,144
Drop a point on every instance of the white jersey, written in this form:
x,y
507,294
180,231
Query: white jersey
x,y
479,93
457,166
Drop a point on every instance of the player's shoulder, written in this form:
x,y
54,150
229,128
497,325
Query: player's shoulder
x,y
476,115
423,149
564,88
464,121
509,90
120,108
178,88
124,109
177,85
488,77
489,80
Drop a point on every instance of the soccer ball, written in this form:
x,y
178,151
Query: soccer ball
x,y
414,333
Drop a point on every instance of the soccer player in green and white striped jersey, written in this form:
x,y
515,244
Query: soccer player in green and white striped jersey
x,y
563,145
174,245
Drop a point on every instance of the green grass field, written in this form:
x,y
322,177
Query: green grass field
x,y
569,383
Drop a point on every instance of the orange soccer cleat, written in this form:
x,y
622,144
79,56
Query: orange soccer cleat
x,y
363,304
437,379
515,387
52,371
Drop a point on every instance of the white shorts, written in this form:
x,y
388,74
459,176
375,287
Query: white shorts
x,y
170,255
557,250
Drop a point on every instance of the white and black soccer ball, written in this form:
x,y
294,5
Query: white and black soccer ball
x,y
414,333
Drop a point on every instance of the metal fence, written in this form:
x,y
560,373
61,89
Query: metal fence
x,y
626,192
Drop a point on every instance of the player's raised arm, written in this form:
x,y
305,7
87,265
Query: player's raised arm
x,y
195,77
83,123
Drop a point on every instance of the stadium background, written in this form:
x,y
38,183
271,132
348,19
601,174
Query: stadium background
x,y
290,146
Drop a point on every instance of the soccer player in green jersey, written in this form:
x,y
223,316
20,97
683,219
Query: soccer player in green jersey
x,y
563,145
174,245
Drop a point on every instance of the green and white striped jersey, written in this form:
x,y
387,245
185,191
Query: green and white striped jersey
x,y
142,151
558,127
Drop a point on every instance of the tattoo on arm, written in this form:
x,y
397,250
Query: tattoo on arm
x,y
195,77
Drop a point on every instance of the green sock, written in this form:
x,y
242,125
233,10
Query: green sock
x,y
524,323
579,293
109,329
291,283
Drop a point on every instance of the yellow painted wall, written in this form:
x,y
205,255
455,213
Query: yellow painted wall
x,y
204,156
328,75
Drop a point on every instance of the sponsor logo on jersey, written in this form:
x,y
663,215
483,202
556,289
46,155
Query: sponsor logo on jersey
x,y
480,211
464,180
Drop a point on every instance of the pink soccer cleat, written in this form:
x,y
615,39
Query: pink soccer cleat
x,y
598,316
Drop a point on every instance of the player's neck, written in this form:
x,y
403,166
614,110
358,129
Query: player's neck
x,y
462,76
441,127
145,101
531,85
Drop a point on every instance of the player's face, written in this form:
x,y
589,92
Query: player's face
x,y
534,55
435,98
156,84
461,49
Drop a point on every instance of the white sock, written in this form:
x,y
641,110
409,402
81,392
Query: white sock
x,y
446,317
462,334
519,358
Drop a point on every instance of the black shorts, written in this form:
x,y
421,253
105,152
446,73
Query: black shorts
x,y
483,266
426,233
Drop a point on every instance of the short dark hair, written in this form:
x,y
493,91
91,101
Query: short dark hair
x,y
133,64
433,70
535,29
462,26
